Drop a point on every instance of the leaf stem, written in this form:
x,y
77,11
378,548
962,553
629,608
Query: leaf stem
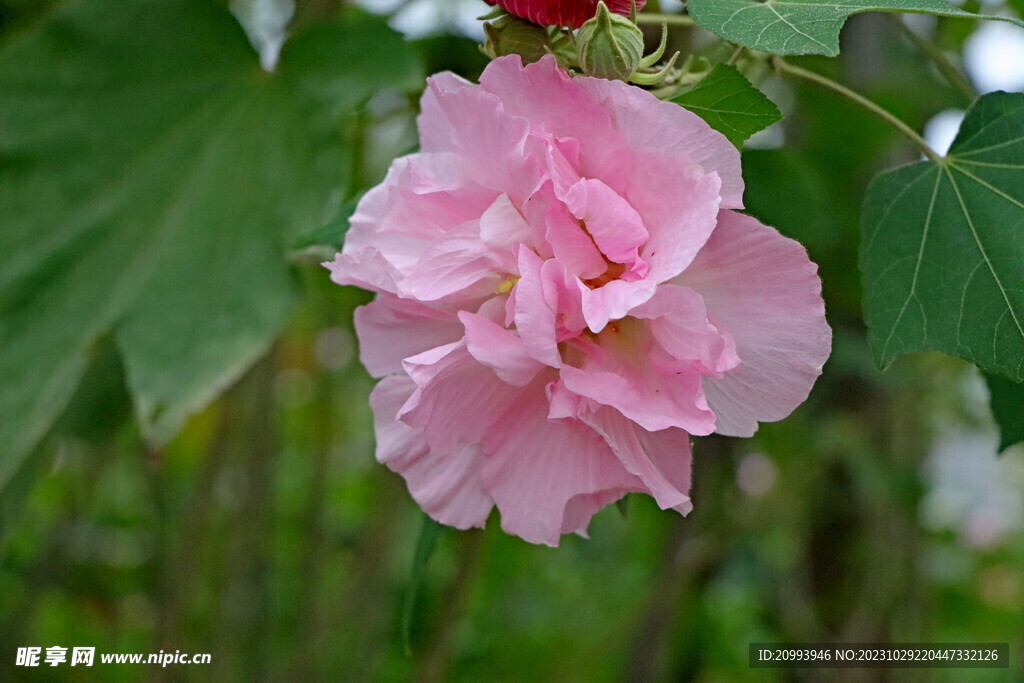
x,y
671,19
949,71
782,66
736,54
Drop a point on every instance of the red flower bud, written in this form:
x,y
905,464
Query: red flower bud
x,y
571,13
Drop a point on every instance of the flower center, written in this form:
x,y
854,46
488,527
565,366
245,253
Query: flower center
x,y
613,271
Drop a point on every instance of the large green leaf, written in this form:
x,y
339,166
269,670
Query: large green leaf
x,y
730,104
942,251
151,176
799,27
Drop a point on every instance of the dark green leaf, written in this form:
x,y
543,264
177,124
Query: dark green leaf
x,y
101,405
730,104
151,178
942,247
799,27
1007,401
425,544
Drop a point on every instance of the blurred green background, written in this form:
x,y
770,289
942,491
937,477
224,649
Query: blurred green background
x,y
264,533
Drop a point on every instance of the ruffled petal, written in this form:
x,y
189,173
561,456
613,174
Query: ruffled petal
x,y
615,226
456,263
503,228
534,319
661,459
488,142
678,202
392,329
422,199
627,370
647,123
446,484
544,93
456,400
535,467
564,235
679,322
764,290
613,300
499,349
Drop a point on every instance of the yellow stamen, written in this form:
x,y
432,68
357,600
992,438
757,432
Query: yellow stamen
x,y
506,285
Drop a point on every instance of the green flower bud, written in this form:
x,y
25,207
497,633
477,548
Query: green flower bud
x,y
610,46
512,35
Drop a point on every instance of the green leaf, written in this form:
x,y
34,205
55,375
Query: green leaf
x,y
942,247
1007,401
151,178
430,531
101,405
331,234
800,27
730,104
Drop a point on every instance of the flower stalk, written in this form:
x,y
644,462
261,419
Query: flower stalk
x,y
784,67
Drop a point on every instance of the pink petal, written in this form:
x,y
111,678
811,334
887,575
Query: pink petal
x,y
457,398
614,225
661,459
679,205
613,300
365,268
544,93
536,467
457,262
423,197
436,131
502,228
561,292
562,157
764,290
679,322
535,321
647,123
583,506
566,238
627,370
392,329
488,141
499,349
446,484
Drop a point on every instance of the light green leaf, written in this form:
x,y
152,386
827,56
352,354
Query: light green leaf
x,y
942,247
151,178
800,27
1007,401
730,104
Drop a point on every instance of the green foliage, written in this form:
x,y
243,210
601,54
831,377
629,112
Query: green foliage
x,y
800,27
265,533
1007,401
430,531
943,243
730,104
152,176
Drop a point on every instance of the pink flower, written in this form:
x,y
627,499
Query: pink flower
x,y
571,13
565,296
